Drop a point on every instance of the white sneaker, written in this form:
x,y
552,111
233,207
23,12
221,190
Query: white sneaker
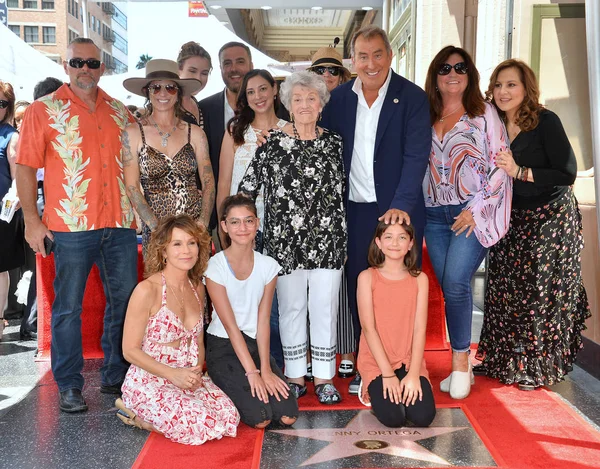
x,y
445,384
461,382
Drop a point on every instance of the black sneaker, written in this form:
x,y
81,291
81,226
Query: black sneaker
x,y
354,384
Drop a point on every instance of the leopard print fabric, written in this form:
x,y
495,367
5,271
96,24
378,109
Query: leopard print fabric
x,y
169,184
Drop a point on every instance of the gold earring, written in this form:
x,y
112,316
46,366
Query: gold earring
x,y
291,118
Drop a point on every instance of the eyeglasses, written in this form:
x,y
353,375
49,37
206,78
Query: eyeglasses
x,y
155,88
333,71
79,63
3,104
460,67
235,223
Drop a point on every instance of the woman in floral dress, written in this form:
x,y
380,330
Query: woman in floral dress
x,y
165,390
301,172
535,302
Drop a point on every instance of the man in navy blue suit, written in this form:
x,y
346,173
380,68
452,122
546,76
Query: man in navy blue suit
x,y
385,126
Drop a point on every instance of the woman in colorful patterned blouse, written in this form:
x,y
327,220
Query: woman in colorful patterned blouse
x,y
467,197
535,302
301,172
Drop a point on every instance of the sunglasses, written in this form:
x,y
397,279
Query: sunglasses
x,y
155,88
79,63
333,71
460,68
3,104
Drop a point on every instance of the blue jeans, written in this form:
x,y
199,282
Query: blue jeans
x,y
455,260
114,250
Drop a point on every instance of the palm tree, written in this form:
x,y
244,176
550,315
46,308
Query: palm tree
x,y
144,58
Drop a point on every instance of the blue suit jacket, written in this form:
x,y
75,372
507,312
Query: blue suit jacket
x,y
402,144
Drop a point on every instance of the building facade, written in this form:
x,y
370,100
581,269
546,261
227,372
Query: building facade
x,y
49,26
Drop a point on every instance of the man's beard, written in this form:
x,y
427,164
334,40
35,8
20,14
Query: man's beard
x,y
86,85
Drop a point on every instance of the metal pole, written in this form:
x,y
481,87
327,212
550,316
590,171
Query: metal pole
x,y
592,28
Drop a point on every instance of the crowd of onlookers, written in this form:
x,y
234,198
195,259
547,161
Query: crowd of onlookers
x,y
282,225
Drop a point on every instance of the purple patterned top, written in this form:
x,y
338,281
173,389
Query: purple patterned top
x,y
462,168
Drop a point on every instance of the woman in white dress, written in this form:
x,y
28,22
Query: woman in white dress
x,y
257,104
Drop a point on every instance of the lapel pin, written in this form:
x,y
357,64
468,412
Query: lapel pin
x,y
395,100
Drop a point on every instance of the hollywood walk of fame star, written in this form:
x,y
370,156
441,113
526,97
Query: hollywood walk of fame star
x,y
365,434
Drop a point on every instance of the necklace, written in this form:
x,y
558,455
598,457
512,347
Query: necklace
x,y
164,136
453,111
181,306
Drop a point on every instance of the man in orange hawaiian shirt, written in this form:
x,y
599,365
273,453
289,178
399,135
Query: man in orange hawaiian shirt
x,y
74,134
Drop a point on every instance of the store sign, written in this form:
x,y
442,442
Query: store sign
x,y
3,13
195,10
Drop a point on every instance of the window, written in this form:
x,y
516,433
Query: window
x,y
72,35
120,17
120,67
12,3
120,43
31,34
30,4
15,28
49,34
47,4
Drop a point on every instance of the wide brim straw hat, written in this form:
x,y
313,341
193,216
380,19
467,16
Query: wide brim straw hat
x,y
329,57
162,69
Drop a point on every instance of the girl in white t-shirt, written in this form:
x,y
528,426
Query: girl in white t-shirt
x,y
241,283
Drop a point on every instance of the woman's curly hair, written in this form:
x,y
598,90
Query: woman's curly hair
x,y
528,115
161,237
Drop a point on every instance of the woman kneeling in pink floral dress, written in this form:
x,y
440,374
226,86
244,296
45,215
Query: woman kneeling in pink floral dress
x,y
164,390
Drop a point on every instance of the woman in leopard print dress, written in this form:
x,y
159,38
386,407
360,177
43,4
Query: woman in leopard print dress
x,y
162,153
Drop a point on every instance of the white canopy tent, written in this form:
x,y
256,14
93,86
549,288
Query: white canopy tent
x,y
208,32
22,66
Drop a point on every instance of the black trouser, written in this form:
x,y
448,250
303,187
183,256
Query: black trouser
x,y
227,372
421,413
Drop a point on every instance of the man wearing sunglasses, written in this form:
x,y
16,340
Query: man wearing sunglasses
x,y
384,123
75,135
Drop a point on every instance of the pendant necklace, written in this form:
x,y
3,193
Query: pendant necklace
x,y
164,136
448,115
181,304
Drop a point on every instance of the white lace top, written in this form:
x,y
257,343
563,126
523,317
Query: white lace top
x,y
243,155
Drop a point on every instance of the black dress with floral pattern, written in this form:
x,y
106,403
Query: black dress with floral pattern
x,y
303,183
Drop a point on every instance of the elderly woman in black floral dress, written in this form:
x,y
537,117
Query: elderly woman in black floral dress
x,y
301,171
535,304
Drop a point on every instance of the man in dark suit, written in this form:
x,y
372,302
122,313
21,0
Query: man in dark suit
x,y
384,123
235,60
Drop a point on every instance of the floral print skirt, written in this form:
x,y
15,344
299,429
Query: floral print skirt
x,y
535,302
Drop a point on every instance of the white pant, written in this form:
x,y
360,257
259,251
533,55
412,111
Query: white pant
x,y
318,291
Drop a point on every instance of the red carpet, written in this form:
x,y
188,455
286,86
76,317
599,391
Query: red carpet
x,y
522,430
94,302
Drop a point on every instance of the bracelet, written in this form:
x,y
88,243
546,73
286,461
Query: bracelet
x,y
252,372
519,169
525,174
393,376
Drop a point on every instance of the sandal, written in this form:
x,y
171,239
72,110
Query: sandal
x,y
126,415
327,394
297,390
